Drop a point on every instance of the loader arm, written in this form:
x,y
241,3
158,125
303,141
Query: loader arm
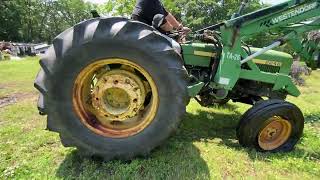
x,y
307,49
276,18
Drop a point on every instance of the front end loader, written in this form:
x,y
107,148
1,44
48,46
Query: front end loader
x,y
118,88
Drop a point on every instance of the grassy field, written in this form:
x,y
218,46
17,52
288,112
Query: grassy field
x,y
205,146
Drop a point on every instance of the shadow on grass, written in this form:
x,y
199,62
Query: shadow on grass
x,y
312,118
178,157
173,160
205,126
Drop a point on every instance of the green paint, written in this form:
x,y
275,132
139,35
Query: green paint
x,y
272,67
193,90
190,51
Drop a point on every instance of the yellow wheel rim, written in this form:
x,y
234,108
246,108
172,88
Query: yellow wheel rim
x,y
115,98
275,133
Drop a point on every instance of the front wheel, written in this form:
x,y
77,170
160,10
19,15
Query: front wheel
x,y
273,125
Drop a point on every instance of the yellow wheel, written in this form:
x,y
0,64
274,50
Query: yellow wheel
x,y
272,126
275,134
115,98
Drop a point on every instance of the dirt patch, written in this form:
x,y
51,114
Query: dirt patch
x,y
2,87
12,99
7,85
5,101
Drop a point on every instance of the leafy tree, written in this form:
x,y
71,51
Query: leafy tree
x,y
10,20
39,20
195,14
118,7
42,20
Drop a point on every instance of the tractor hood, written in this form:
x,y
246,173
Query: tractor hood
x,y
273,61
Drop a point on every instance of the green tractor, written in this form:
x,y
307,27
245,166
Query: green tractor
x,y
117,88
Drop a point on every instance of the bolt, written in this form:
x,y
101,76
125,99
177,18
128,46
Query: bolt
x,y
271,132
127,81
115,82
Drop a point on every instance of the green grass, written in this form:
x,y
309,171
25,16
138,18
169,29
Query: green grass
x,y
205,146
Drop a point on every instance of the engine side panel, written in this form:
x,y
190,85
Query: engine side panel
x,y
201,54
198,54
272,67
273,61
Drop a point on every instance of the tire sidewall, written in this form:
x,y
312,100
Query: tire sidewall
x,y
171,95
259,120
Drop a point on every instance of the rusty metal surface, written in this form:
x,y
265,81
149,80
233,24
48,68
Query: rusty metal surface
x,y
275,134
115,102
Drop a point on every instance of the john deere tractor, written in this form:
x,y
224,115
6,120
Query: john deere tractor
x,y
118,88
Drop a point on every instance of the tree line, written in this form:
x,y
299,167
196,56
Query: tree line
x,y
42,20
39,20
193,13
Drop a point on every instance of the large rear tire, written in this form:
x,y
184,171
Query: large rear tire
x,y
112,87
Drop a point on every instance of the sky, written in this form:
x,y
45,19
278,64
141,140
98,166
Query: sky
x,y
273,1
265,1
96,1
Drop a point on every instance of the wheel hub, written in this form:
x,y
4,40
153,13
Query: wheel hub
x,y
118,95
115,98
275,134
272,132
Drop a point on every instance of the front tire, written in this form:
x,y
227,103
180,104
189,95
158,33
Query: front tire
x,y
271,126
112,87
